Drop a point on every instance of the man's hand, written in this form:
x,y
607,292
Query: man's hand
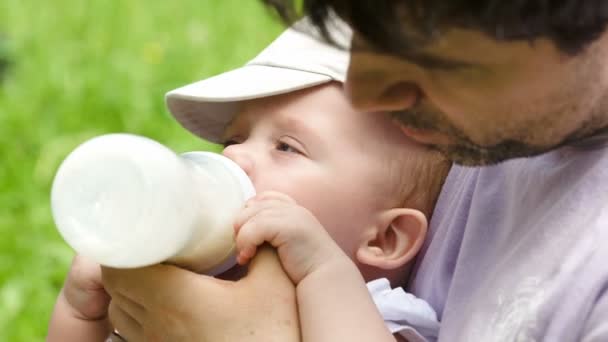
x,y
166,303
81,309
84,291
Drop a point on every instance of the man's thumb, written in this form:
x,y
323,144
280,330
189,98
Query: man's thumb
x,y
266,264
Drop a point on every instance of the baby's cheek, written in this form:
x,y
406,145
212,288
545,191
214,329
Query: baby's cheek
x,y
342,229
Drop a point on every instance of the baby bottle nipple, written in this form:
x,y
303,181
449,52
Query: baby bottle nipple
x,y
128,201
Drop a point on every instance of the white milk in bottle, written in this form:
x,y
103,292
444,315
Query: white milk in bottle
x,y
127,201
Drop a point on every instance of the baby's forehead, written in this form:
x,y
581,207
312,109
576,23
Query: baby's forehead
x,y
248,111
337,123
247,118
385,131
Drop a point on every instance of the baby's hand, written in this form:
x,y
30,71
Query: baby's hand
x,y
83,290
302,242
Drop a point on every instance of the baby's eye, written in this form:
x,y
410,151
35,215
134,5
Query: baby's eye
x,y
285,147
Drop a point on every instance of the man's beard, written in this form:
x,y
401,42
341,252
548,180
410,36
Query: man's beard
x,y
462,150
474,155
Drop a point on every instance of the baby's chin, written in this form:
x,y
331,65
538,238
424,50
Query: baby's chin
x,y
235,273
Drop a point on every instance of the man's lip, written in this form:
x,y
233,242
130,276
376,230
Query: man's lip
x,y
426,136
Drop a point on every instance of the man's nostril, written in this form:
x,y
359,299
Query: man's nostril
x,y
404,95
396,97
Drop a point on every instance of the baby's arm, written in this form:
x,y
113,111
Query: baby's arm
x,y
80,312
334,303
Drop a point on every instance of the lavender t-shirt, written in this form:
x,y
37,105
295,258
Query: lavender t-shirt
x,y
519,251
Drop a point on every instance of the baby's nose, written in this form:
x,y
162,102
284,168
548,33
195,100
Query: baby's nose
x,y
238,154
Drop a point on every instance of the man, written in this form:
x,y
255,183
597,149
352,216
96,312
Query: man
x,y
517,247
516,250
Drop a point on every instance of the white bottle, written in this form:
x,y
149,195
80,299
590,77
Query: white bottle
x,y
127,201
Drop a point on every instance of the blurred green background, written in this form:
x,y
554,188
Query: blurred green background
x,y
73,69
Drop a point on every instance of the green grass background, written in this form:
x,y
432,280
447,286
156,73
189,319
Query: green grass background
x,y
82,68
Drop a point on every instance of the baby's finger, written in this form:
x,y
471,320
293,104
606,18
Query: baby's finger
x,y
251,235
244,216
252,208
274,195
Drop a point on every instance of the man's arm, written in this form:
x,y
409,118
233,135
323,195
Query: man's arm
x,y
166,303
81,309
68,325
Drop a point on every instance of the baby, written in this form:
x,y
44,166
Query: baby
x,y
337,196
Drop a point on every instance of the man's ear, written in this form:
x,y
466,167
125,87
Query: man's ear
x,y
395,240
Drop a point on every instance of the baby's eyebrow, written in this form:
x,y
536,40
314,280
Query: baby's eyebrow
x,y
291,121
298,125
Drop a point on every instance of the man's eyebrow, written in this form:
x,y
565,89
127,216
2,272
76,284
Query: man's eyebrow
x,y
433,62
420,59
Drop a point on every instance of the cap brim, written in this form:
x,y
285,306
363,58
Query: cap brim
x,y
206,107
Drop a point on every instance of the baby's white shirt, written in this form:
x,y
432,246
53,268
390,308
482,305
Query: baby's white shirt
x,y
403,313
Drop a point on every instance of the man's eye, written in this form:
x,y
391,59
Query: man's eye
x,y
284,147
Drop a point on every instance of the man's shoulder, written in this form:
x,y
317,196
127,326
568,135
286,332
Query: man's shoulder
x,y
519,246
566,172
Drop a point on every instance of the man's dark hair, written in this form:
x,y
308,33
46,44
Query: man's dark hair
x,y
570,24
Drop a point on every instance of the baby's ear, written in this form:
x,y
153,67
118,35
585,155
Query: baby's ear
x,y
395,240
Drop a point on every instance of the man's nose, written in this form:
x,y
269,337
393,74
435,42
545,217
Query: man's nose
x,y
238,154
372,96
